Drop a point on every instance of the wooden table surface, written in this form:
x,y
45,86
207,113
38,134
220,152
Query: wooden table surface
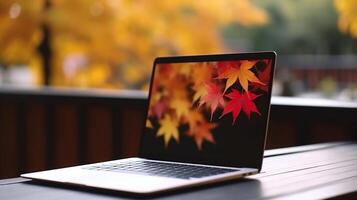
x,y
317,171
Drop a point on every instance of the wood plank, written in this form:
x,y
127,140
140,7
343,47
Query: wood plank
x,y
293,174
65,136
299,149
132,122
9,152
315,180
309,170
35,148
344,189
288,163
99,134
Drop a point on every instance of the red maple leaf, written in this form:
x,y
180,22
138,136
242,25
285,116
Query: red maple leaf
x,y
240,101
225,66
159,108
264,76
213,97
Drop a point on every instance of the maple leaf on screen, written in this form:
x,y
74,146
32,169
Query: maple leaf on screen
x,y
200,90
194,117
264,76
234,70
240,101
158,108
185,70
201,74
165,70
213,98
149,124
176,89
202,132
168,129
181,106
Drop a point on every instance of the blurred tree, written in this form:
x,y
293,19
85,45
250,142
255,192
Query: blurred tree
x,y
348,16
111,43
20,33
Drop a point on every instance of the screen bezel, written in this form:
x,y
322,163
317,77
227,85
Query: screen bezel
x,y
212,58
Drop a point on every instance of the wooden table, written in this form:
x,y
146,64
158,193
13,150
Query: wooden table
x,y
317,171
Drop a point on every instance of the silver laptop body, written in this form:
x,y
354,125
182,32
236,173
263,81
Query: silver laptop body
x,y
206,123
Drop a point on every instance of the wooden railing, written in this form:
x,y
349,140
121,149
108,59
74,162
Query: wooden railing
x,y
50,128
46,128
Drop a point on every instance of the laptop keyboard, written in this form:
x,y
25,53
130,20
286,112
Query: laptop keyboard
x,y
152,168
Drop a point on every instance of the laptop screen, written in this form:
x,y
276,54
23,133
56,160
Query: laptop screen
x,y
209,109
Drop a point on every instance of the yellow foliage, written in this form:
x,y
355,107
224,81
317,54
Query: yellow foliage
x,y
35,66
347,10
110,43
20,30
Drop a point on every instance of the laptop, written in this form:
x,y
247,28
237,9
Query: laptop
x,y
206,123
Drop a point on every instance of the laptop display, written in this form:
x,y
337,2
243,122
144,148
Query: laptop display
x,y
211,111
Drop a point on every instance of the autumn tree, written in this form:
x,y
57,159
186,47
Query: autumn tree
x,y
111,44
348,16
20,32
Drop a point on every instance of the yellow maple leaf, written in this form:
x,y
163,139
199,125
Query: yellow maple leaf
x,y
173,86
180,106
168,129
200,90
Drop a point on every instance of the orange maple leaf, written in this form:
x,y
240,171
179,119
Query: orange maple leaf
x,y
213,98
185,70
168,129
194,117
233,70
176,89
201,74
201,132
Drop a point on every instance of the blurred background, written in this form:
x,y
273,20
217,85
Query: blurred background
x,y
110,44
66,68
